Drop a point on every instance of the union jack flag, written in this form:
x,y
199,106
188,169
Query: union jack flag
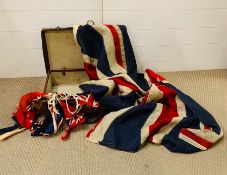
x,y
142,106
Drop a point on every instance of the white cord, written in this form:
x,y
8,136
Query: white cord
x,y
76,98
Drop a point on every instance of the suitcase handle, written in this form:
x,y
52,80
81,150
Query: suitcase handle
x,y
90,22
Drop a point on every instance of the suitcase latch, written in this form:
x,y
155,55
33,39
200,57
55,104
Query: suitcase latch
x,y
63,73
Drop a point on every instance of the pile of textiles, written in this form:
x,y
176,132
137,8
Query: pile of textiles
x,y
129,108
45,113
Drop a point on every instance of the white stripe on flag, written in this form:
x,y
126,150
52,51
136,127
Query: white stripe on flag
x,y
97,135
146,77
123,90
90,60
54,121
154,94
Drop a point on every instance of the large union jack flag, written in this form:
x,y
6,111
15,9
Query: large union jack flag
x,y
142,106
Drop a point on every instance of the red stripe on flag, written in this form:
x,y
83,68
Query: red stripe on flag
x,y
169,110
169,100
207,127
207,144
91,71
116,44
154,77
121,81
159,123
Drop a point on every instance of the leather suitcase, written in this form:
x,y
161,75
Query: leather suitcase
x,y
63,61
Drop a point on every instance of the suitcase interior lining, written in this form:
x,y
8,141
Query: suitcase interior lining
x,y
68,82
63,51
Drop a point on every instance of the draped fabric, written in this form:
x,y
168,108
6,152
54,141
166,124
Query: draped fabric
x,y
45,113
141,106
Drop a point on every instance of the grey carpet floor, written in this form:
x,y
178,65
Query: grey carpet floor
x,y
23,154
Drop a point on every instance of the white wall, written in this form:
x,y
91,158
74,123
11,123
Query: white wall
x,y
172,35
21,22
167,35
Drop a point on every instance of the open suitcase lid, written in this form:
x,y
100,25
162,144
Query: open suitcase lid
x,y
60,51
